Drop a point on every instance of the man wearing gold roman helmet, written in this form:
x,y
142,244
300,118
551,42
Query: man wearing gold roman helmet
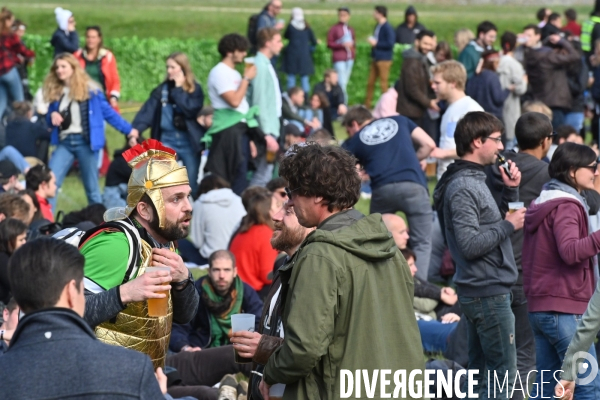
x,y
143,234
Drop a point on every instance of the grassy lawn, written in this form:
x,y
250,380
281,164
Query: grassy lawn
x,y
211,19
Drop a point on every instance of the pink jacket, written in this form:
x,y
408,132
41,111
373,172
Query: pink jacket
x,y
334,43
557,255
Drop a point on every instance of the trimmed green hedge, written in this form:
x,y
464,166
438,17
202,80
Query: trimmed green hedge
x,y
141,63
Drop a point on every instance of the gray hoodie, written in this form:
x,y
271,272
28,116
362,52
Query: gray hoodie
x,y
216,216
477,234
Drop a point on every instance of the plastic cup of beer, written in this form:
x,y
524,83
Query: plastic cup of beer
x,y
276,391
158,307
242,322
514,206
249,61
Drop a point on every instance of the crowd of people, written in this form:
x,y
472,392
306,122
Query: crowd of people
x,y
498,275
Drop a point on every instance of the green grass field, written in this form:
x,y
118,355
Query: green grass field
x,y
211,19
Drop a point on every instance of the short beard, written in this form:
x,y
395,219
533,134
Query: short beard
x,y
172,231
288,238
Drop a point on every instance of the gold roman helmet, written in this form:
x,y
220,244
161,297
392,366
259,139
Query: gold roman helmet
x,y
154,167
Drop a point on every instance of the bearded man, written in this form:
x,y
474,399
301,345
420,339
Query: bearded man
x,y
143,234
222,294
287,237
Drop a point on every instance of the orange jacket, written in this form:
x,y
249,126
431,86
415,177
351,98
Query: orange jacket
x,y
108,66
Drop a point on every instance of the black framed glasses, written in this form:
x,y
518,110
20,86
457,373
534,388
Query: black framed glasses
x,y
497,139
289,192
552,134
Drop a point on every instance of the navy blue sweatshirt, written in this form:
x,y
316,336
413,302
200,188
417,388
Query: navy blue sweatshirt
x,y
486,90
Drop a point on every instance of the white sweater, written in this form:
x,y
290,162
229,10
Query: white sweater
x,y
217,214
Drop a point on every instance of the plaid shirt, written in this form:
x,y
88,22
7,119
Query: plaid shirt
x,y
10,47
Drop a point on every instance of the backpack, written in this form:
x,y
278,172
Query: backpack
x,y
252,25
78,238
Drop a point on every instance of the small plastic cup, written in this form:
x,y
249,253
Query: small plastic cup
x,y
276,391
158,307
242,322
514,206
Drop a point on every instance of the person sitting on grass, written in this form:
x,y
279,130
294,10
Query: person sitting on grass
x,y
222,294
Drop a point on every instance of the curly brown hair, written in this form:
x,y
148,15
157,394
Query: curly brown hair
x,y
322,171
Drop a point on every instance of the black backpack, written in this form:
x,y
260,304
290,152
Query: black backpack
x,y
252,25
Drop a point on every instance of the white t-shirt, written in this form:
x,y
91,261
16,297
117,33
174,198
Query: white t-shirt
x,y
450,118
223,79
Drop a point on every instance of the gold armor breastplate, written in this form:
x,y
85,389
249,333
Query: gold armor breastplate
x,y
134,329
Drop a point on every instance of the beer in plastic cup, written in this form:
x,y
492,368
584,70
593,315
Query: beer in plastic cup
x,y
514,206
242,322
276,391
248,62
158,307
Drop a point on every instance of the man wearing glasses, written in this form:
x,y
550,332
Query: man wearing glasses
x,y
534,135
478,233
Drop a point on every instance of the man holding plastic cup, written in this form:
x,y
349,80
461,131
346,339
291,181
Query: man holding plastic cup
x,y
142,235
258,346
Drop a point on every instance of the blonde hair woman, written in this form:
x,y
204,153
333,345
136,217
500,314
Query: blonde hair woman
x,y
77,112
171,113
462,37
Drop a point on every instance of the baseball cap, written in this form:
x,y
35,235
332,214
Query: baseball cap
x,y
8,169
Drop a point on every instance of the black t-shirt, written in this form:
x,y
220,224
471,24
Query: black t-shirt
x,y
385,149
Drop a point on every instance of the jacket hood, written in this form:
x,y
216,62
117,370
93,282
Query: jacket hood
x,y
549,199
365,237
50,324
454,170
221,197
410,10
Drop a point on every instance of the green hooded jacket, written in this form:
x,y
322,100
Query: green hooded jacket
x,y
348,305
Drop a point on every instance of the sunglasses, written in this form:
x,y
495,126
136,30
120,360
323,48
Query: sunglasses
x,y
289,192
592,167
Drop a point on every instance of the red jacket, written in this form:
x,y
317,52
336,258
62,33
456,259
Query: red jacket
x,y
254,256
10,48
573,27
108,66
557,255
45,208
339,52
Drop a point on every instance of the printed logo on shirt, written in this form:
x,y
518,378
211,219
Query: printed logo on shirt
x,y
379,132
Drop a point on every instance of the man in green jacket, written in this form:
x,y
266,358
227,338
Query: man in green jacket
x,y
347,292
486,36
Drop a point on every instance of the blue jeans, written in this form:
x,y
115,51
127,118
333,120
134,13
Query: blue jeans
x,y
491,338
180,142
263,173
575,119
344,70
75,147
115,196
434,335
413,200
10,85
11,154
291,82
553,333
